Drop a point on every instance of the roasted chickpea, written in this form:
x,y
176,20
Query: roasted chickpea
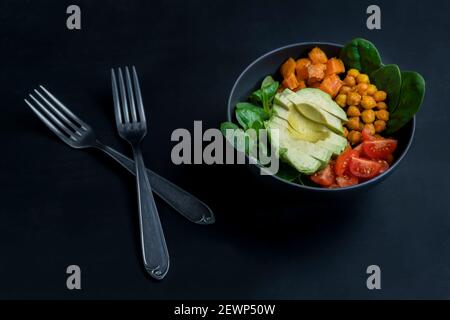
x,y
345,132
341,100
353,111
345,89
368,102
368,116
350,81
382,115
379,96
371,89
379,125
381,105
353,123
370,127
353,98
362,78
361,88
354,137
353,73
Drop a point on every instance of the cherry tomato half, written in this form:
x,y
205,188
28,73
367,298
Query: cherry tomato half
x,y
364,168
379,149
324,177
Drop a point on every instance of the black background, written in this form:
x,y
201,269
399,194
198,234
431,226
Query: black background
x,y
60,206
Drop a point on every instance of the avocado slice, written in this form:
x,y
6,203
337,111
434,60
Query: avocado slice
x,y
308,130
288,150
317,152
318,99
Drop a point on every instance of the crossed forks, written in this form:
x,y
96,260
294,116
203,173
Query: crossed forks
x,y
131,125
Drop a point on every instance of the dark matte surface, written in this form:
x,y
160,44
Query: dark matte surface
x,y
265,244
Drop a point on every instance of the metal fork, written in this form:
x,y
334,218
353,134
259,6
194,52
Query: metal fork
x,y
79,135
132,127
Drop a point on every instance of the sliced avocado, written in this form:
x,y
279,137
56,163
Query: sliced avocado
x,y
287,148
317,98
281,99
317,152
305,129
320,116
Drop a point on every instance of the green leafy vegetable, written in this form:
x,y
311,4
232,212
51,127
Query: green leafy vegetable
x,y
388,78
362,55
411,97
250,116
266,93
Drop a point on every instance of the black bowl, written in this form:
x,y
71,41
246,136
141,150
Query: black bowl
x,y
269,64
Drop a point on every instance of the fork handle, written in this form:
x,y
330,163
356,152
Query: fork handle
x,y
185,203
154,248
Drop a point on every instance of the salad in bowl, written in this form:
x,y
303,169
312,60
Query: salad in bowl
x,y
338,112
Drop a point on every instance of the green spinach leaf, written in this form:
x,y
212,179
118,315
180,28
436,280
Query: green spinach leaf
x,y
388,78
266,93
250,116
362,55
411,97
286,172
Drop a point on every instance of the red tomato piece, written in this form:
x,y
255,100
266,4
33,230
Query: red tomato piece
x,y
324,177
363,168
379,149
384,166
343,161
347,180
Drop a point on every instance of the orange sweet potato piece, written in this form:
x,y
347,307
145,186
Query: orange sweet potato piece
x,y
316,72
331,85
301,85
290,81
317,56
301,69
335,66
288,68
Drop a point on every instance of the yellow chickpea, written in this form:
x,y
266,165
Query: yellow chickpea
x,y
362,78
345,89
341,100
353,98
361,88
370,127
382,115
371,89
353,111
353,73
380,96
368,102
350,81
354,137
382,105
361,126
353,123
368,116
345,132
379,125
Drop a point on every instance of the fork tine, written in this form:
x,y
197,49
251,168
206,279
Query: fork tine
x,y
64,108
130,95
48,123
59,113
117,111
124,97
137,89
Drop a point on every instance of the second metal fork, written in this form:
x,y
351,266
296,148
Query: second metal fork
x,y
132,127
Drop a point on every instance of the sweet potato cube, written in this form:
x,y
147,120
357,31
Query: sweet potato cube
x,y
290,81
316,72
301,69
288,68
334,66
301,85
317,56
331,85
